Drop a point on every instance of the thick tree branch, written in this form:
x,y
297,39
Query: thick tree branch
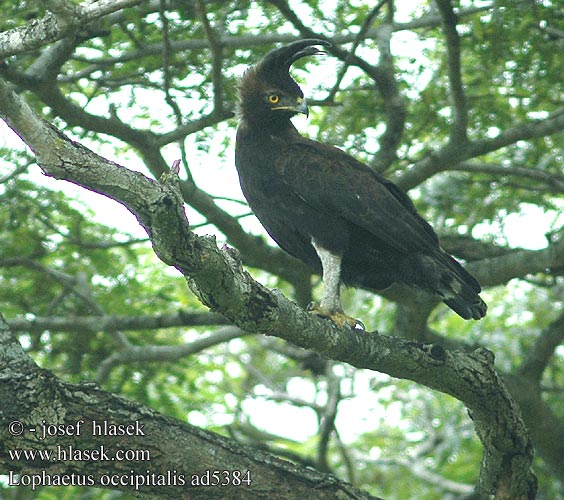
x,y
216,276
176,450
12,356
394,103
63,19
547,430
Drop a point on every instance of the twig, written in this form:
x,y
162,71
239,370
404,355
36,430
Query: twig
x,y
356,42
217,57
537,357
459,105
327,417
167,85
167,353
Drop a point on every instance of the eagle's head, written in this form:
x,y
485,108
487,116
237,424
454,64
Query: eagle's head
x,y
267,92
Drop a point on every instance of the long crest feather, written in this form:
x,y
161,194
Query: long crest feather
x,y
275,67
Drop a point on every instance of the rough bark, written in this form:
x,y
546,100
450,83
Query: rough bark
x,y
156,455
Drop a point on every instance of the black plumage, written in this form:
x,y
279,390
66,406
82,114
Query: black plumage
x,y
329,210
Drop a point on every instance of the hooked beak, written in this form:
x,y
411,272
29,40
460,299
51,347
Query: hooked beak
x,y
299,106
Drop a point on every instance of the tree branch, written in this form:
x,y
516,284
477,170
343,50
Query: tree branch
x,y
167,353
327,417
217,56
554,182
247,41
177,451
543,423
369,19
63,19
458,96
520,263
113,323
538,356
470,249
394,102
76,285
449,155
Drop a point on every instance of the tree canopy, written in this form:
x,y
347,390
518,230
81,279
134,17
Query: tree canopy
x,y
144,293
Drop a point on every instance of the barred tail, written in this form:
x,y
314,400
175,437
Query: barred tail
x,y
467,307
460,291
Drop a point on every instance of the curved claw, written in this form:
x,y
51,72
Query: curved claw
x,y
339,318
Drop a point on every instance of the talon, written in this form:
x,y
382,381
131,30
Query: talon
x,y
359,325
338,318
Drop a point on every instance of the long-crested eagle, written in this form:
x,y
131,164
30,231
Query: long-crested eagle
x,y
332,212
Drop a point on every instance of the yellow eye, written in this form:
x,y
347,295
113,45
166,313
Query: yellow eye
x,y
273,99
